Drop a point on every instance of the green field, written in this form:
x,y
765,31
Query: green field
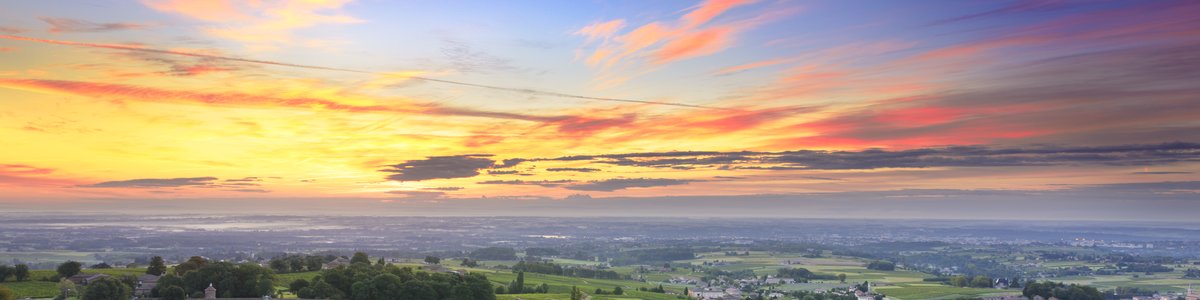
x,y
899,284
33,289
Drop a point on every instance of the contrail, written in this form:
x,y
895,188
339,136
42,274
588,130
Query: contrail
x,y
312,67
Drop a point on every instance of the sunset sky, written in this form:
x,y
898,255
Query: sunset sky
x,y
798,108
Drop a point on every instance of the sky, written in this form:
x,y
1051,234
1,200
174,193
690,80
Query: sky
x,y
1025,109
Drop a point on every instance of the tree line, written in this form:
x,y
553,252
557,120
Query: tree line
x,y
365,281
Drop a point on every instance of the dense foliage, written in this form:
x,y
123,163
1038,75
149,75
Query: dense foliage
x,y
802,274
363,281
1059,290
69,268
231,280
882,265
106,288
297,263
157,266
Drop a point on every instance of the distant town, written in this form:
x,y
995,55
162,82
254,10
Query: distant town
x,y
182,257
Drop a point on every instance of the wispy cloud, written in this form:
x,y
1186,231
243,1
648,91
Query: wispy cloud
x,y
609,185
525,91
154,182
958,156
260,25
62,25
695,34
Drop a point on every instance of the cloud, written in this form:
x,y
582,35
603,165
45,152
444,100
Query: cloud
x,y
444,188
19,175
542,183
1035,101
601,31
692,35
155,183
953,156
250,190
75,25
11,30
244,179
149,94
610,185
526,91
585,170
1021,6
464,58
503,172
260,25
1160,173
438,167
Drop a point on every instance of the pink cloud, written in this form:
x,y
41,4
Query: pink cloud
x,y
695,34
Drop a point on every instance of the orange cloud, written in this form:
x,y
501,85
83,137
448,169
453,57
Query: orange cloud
x,y
148,94
710,9
700,43
751,66
24,176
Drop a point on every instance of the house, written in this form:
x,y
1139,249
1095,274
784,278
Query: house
x,y
337,262
84,279
145,285
1000,283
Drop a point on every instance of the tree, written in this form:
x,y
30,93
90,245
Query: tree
x,y
959,281
5,270
981,282
619,291
102,265
297,285
174,293
279,265
415,289
320,290
500,289
842,277
314,263
882,265
166,282
193,263
685,292
380,262
360,257
432,259
69,268
106,288
518,286
65,288
6,294
21,272
576,294
470,263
